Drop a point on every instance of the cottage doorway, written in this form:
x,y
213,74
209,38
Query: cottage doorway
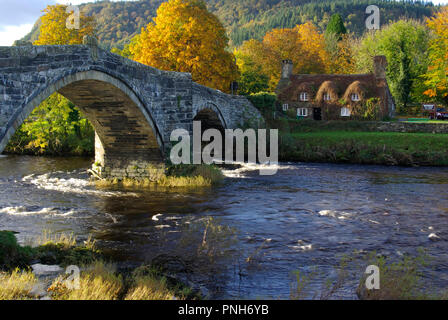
x,y
317,114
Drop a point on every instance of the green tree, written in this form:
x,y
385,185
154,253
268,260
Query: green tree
x,y
404,79
54,127
252,79
336,25
405,44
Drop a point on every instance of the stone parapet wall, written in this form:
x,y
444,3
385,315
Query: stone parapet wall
x,y
408,127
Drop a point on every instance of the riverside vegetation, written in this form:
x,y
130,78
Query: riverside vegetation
x,y
205,242
174,176
99,280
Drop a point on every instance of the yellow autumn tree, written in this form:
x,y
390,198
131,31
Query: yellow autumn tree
x,y
340,53
278,45
313,57
186,37
436,77
56,126
304,45
54,31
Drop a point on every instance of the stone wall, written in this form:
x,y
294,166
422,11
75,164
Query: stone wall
x,y
407,127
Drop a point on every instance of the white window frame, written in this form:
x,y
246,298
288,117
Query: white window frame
x,y
302,112
304,96
327,96
345,112
355,97
285,107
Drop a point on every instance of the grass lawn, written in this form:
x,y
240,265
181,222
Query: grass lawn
x,y
428,121
411,142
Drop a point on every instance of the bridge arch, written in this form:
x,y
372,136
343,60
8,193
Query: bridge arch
x,y
210,116
126,132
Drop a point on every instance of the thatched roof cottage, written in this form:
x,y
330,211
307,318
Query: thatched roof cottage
x,y
334,96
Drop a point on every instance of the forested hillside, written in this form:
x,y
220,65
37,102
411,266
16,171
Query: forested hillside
x,y
246,19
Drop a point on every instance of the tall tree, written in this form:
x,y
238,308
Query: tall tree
x,y
304,45
340,51
336,25
405,79
436,77
54,31
186,37
405,45
252,79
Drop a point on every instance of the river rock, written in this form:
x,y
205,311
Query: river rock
x,y
44,270
38,291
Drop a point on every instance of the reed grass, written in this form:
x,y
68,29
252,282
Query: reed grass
x,y
17,285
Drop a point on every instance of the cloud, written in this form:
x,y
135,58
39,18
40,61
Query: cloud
x,y
11,33
20,12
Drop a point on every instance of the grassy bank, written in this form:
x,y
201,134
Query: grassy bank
x,y
61,250
382,148
350,142
174,176
99,278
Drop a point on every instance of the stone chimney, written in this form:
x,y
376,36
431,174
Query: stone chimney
x,y
379,67
287,67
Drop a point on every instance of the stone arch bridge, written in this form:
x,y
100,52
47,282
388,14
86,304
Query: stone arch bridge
x,y
133,107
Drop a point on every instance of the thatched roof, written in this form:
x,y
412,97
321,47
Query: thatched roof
x,y
311,83
356,87
303,87
328,87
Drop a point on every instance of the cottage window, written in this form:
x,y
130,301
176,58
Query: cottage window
x,y
327,97
304,96
345,112
285,107
355,97
302,112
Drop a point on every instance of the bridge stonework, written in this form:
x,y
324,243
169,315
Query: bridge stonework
x,y
133,107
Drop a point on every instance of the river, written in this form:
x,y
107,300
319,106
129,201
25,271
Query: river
x,y
307,217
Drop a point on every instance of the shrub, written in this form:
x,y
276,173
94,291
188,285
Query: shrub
x,y
63,250
400,280
264,101
12,255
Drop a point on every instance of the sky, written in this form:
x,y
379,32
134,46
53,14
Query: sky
x,y
17,17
